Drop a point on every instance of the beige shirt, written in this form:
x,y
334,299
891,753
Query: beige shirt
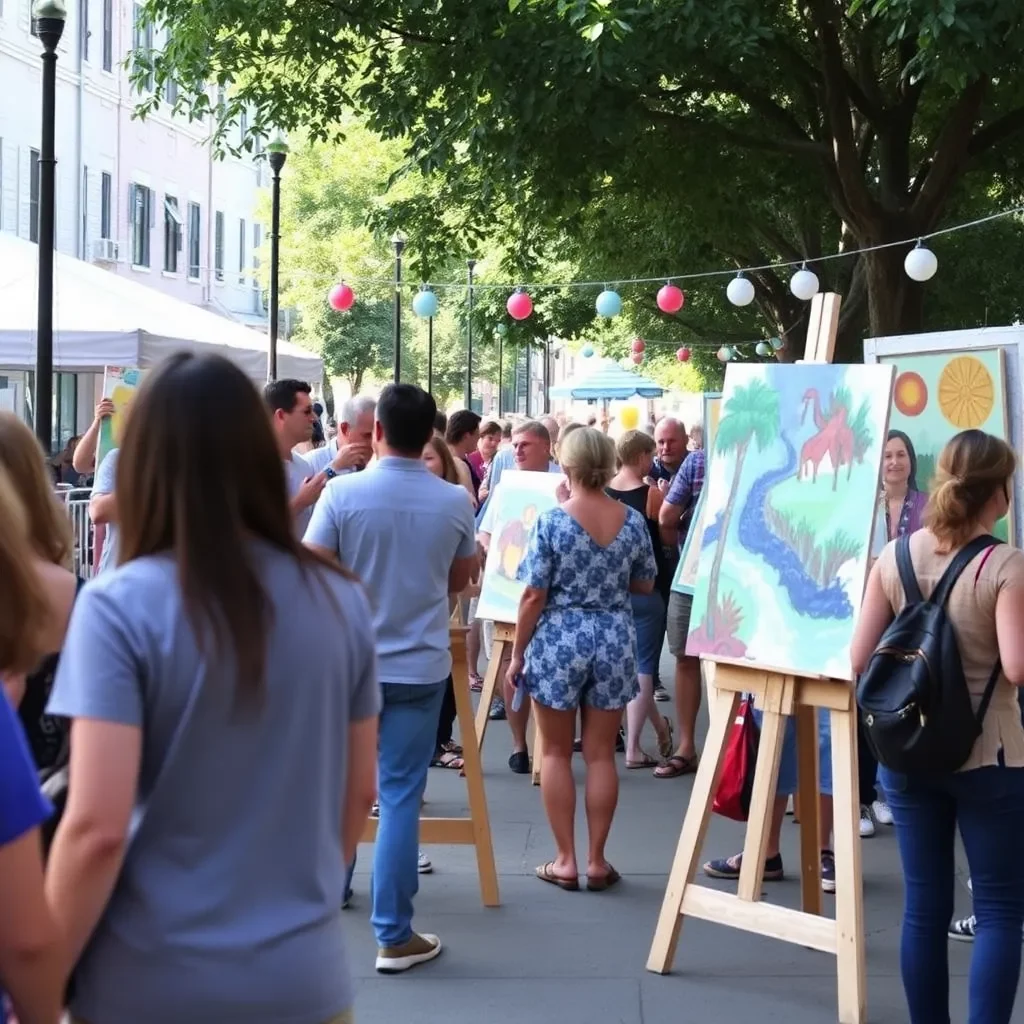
x,y
972,613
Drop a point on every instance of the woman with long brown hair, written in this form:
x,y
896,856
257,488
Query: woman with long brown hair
x,y
984,798
222,686
30,965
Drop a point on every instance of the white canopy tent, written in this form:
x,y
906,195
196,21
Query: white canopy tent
x,y
101,319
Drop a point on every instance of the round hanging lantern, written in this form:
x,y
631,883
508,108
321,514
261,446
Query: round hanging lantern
x,y
519,304
777,343
683,354
921,263
638,345
804,284
670,298
637,357
341,297
608,303
501,330
724,354
763,348
740,291
425,304
587,351
629,417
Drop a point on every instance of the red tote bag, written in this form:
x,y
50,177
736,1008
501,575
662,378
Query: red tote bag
x,y
736,783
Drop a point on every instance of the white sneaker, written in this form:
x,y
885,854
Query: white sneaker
x,y
418,950
867,823
423,865
882,813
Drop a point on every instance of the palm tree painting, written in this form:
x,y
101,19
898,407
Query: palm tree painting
x,y
750,416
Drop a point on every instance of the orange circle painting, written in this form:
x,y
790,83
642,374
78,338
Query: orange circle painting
x,y
967,393
911,393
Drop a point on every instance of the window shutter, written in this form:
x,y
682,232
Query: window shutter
x,y
24,190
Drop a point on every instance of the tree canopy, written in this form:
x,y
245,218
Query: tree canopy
x,y
742,132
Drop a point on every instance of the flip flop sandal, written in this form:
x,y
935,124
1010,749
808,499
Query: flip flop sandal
x,y
675,766
647,762
448,759
604,882
451,747
546,874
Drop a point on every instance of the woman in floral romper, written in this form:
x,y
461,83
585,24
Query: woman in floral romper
x,y
575,646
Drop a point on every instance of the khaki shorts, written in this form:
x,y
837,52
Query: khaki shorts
x,y
678,621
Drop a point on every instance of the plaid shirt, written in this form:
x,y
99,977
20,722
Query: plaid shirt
x,y
686,488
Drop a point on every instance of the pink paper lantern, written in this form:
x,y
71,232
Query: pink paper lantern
x,y
638,345
341,297
670,298
637,357
519,305
683,355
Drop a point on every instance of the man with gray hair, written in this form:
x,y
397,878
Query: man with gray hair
x,y
352,448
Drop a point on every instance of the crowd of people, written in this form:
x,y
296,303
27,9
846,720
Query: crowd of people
x,y
191,745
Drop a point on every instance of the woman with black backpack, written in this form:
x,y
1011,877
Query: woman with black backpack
x,y
906,693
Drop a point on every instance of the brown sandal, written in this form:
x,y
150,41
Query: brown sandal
x,y
448,760
604,882
546,873
646,762
675,766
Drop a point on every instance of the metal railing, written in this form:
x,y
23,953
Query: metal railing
x,y
76,502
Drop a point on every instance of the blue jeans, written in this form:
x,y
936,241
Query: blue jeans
x,y
408,731
988,806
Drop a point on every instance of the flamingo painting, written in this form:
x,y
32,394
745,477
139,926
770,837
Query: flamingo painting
x,y
834,438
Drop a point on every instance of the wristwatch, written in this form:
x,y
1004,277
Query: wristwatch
x,y
330,472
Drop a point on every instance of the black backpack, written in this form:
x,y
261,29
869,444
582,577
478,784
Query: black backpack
x,y
917,711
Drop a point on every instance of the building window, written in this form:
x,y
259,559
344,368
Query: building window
x,y
171,91
243,239
257,241
218,246
194,240
33,195
83,7
172,234
140,201
142,40
85,212
106,189
108,35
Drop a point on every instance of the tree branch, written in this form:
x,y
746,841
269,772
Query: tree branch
x,y
387,26
805,147
995,132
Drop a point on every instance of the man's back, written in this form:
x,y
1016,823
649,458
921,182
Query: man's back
x,y
399,528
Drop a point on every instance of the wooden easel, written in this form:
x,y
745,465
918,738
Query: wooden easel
x,y
780,695
504,636
476,829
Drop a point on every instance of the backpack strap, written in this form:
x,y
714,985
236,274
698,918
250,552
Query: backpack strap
x,y
990,686
966,555
906,569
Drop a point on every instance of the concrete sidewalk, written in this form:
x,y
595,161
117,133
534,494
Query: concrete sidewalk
x,y
551,957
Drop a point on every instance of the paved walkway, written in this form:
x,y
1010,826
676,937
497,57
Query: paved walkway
x,y
550,957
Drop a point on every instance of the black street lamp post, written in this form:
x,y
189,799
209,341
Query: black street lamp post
x,y
470,266
501,331
547,373
399,243
430,355
277,153
49,17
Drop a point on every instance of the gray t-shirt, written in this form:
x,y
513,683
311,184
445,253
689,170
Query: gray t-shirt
x,y
106,477
296,470
227,909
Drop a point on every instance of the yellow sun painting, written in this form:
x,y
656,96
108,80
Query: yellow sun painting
x,y
967,393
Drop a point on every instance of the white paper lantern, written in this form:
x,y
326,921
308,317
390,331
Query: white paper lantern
x,y
740,291
920,264
804,284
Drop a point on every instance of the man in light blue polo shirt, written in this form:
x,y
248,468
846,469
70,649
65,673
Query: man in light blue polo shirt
x,y
410,537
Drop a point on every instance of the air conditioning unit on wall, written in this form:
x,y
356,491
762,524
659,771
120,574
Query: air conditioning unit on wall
x,y
106,250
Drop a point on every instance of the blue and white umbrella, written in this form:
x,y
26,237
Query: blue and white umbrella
x,y
606,381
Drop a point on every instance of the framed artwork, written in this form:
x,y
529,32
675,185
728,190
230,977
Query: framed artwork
x,y
519,498
119,385
790,498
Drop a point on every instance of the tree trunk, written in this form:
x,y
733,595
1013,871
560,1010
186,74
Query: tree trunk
x,y
716,562
895,302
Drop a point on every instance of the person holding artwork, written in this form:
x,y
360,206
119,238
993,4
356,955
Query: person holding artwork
x,y
635,452
223,692
575,646
984,799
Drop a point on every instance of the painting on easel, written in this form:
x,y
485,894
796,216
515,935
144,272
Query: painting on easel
x,y
790,503
520,498
938,394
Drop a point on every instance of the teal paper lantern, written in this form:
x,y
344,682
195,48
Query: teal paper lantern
x,y
425,304
608,303
724,354
501,330
776,343
587,351
763,348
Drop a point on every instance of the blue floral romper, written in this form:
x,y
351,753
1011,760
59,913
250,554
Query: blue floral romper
x,y
584,647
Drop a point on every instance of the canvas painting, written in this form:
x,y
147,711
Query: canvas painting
x,y
689,557
520,498
938,394
119,385
790,502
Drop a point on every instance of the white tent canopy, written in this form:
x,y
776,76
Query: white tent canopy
x,y
100,319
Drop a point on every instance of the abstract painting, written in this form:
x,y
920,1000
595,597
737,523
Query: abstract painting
x,y
119,385
519,499
789,507
938,394
686,571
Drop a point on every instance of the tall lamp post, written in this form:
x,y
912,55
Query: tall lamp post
x,y
470,266
277,153
501,330
398,241
49,17
430,355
